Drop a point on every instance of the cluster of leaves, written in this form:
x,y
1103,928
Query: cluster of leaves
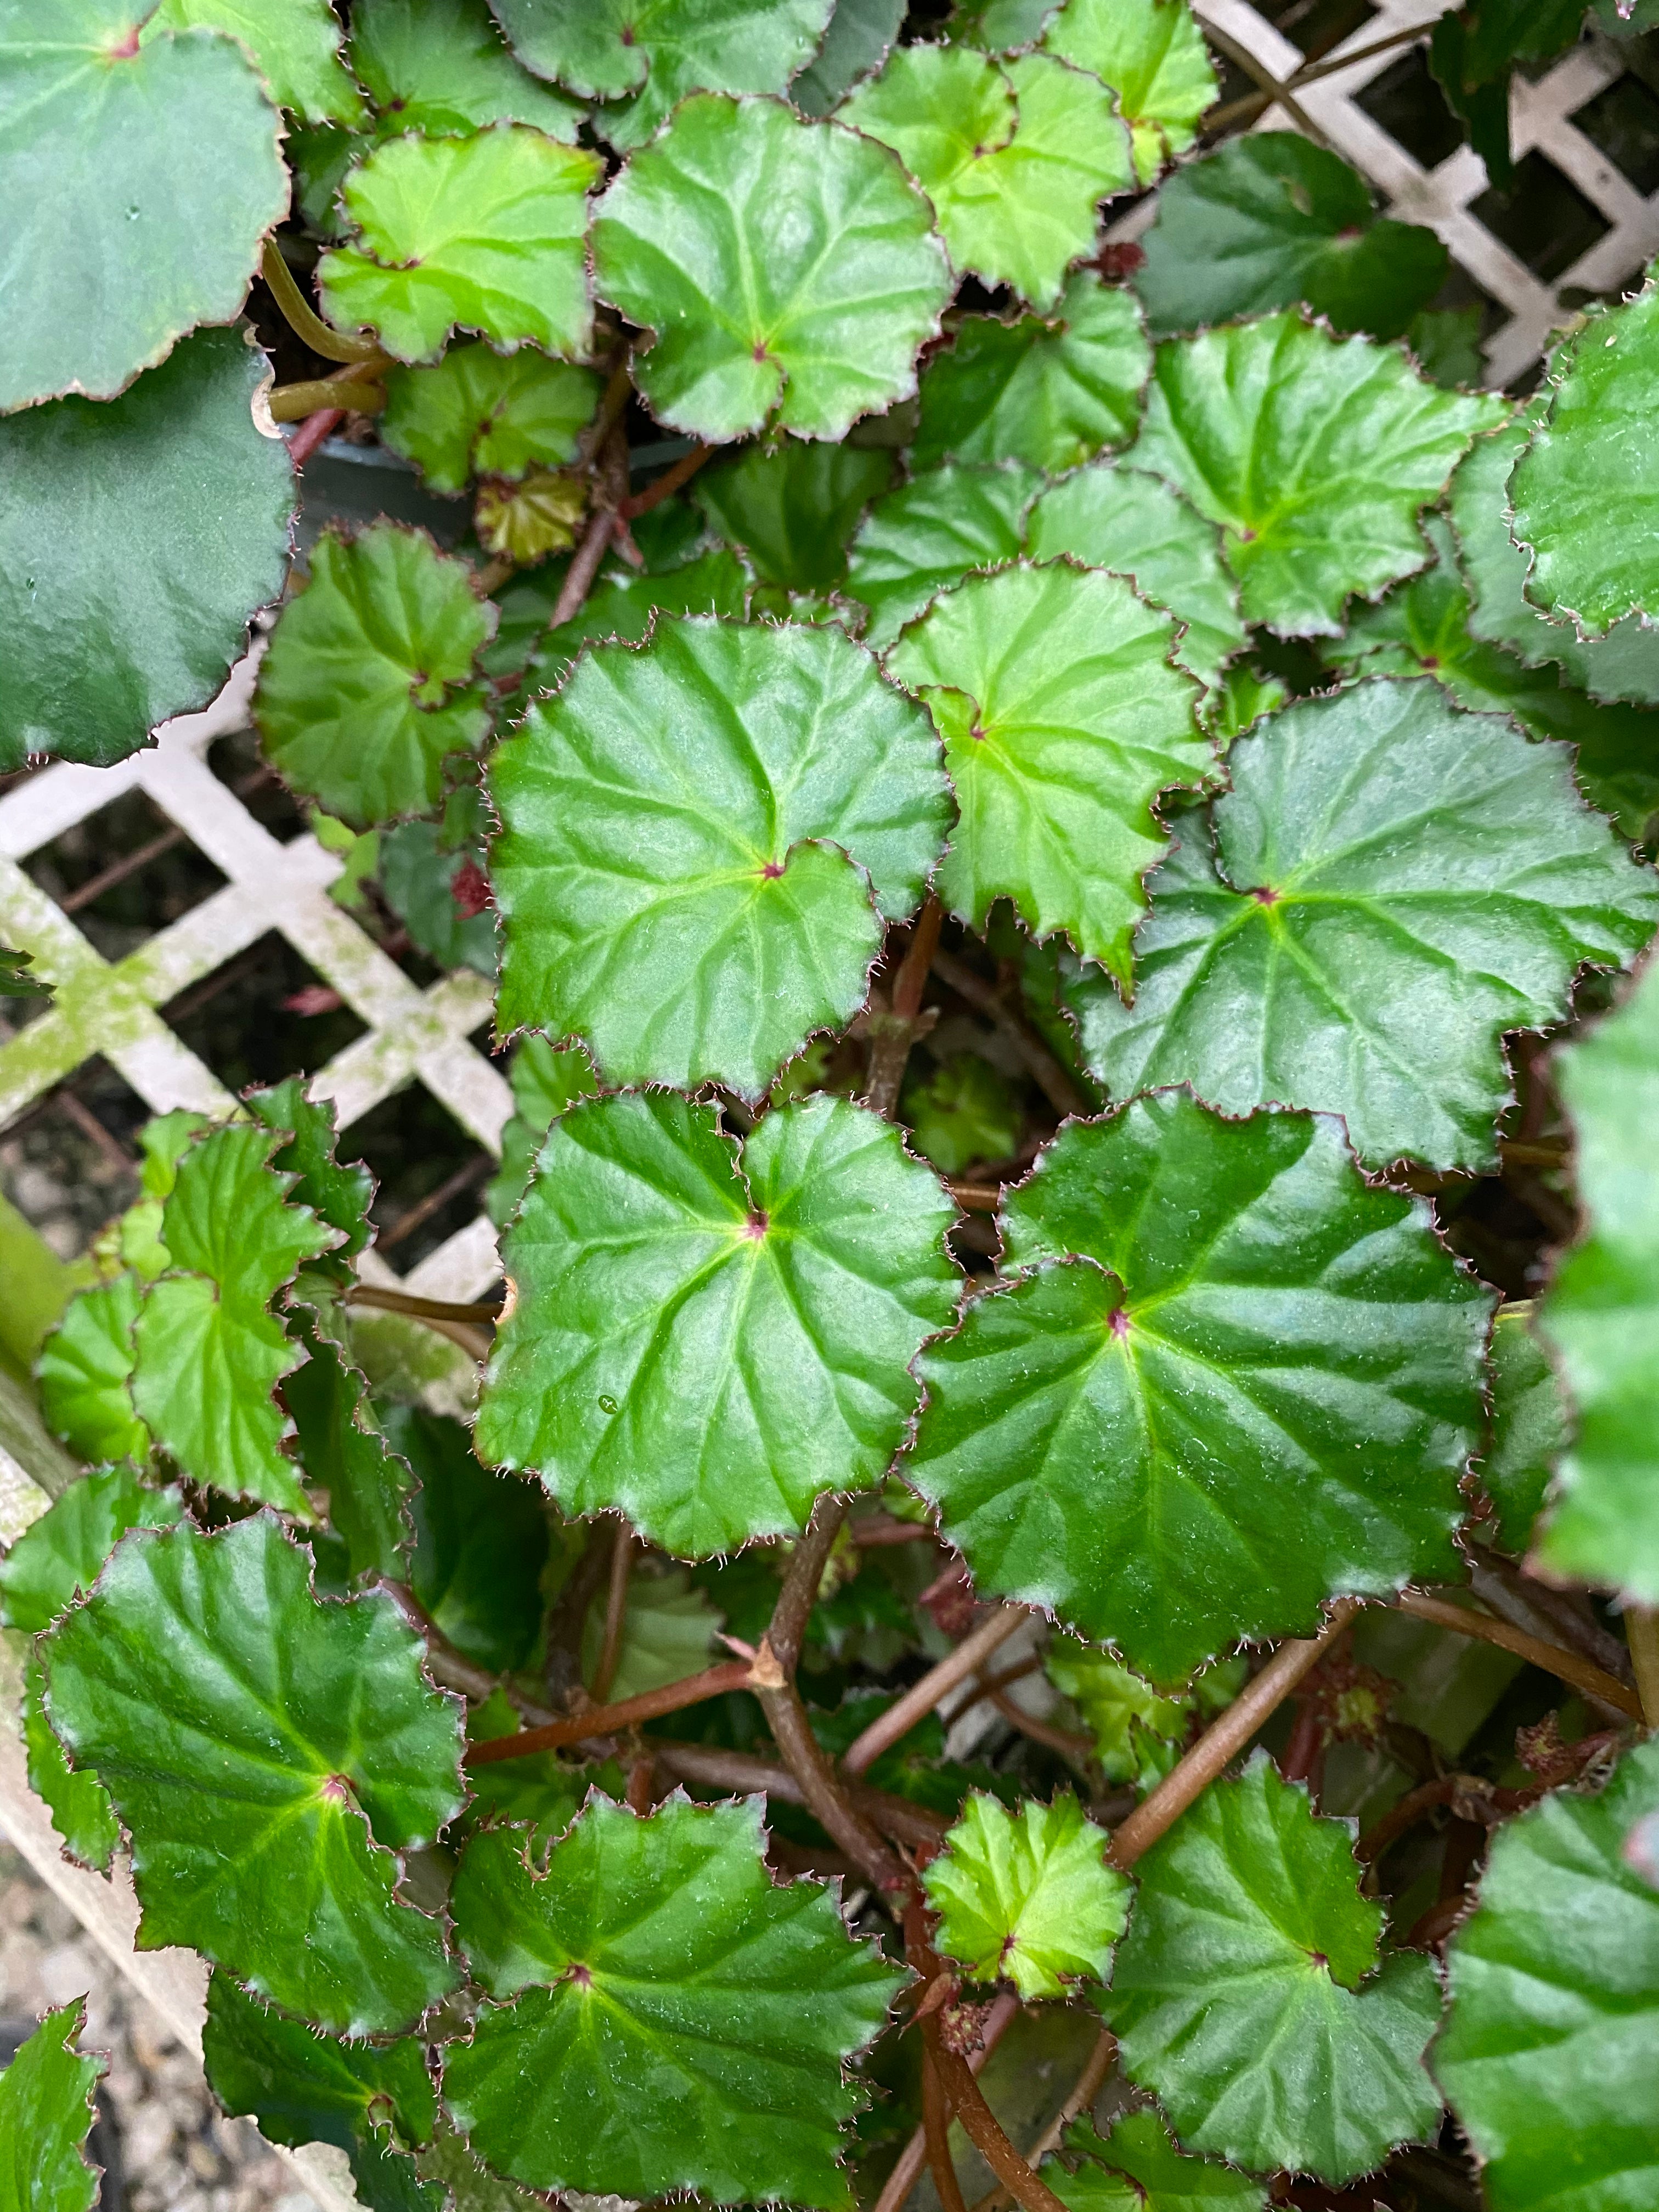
x,y
1150,746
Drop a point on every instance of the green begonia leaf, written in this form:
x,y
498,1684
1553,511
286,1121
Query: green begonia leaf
x,y
1583,490
1049,392
1117,518
709,1341
541,1790
545,1079
368,685
1600,1316
15,981
439,67
46,2109
138,540
479,414
481,1543
483,234
59,1557
1063,719
1445,344
855,44
1394,885
319,157
1246,694
1015,157
1247,1994
1271,219
646,55
1125,1715
295,44
1531,1430
999,26
668,1631
792,509
962,1112
84,1371
1026,1896
417,881
1151,55
1254,1387
686,830
1136,2167
1473,52
1547,2051
78,1800
1422,627
340,1443
152,170
265,1794
1316,455
622,605
789,269
671,2019
340,1194
211,1354
932,532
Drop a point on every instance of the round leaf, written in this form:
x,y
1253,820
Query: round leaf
x,y
45,2111
439,67
673,874
85,1374
293,44
1151,55
1027,1897
477,414
857,42
931,533
792,509
137,542
710,1342
789,270
1250,1383
1135,2165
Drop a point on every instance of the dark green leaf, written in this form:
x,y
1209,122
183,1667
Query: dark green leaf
x,y
481,1543
339,1195
668,1630
792,509
46,2109
417,880
340,1445
15,981
545,1079
1027,1897
85,1373
1152,54
59,1556
931,533
962,1112
622,606
855,44
78,1800
439,67
1445,344
1472,54
295,44
1530,1429
1136,2167
479,414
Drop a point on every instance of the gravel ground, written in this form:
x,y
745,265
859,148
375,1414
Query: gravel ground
x,y
176,2152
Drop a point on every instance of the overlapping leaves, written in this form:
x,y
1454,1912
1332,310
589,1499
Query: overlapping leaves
x,y
1152,54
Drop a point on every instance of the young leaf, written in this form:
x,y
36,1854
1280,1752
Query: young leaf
x,y
1027,1897
857,42
295,44
1394,885
646,55
481,1543
1530,1429
1137,1732
46,2109
137,541
1233,1381
477,414
369,683
265,1793
1136,2166
1272,219
1015,157
1583,490
665,874
1600,1316
1063,720
78,1800
710,1342
340,1445
484,233
1118,518
1547,2050
160,159
792,509
1247,1996
1049,392
932,532
339,1195
668,1632
962,1112
1316,455
660,1950
789,271
1152,54
439,67
545,1079
59,1556
84,1371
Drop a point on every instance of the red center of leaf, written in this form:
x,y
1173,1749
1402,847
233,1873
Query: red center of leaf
x,y
1120,1324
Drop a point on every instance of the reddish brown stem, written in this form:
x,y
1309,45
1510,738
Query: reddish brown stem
x,y
920,1699
911,2159
741,1771
607,1720
1064,1740
666,485
311,433
982,2128
1566,1666
615,1613
1040,1063
876,1529
892,1034
1306,1739
936,2133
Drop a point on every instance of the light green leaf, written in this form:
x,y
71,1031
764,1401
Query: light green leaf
x,y
417,880
78,1800
1015,157
483,234
646,55
1272,219
295,44
481,1543
340,1444
855,44
668,2018
1582,492
789,270
339,1195
792,508
962,1112
211,1354
932,532
1050,392
545,1079
84,1371
1026,1896
478,414
369,683
1600,1315
151,169
1530,1429
668,1632
138,540
265,1793
707,1341
1136,2165
1246,693
1118,518
1063,719
1123,1714
1316,454
46,2109
1151,55
686,828
1248,1996
1547,2050
1394,885
1234,1381
59,1556
439,67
